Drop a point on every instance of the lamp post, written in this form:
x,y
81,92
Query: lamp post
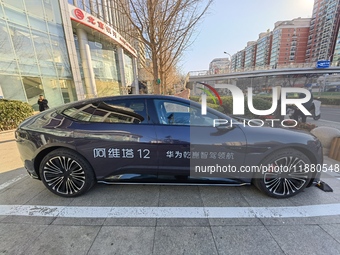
x,y
229,60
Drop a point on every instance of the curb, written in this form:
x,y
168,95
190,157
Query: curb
x,y
330,106
7,131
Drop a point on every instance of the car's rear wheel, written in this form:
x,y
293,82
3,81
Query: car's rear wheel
x,y
284,174
66,173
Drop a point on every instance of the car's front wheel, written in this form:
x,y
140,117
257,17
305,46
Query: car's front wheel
x,y
283,174
66,173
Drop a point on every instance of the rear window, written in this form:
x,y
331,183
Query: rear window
x,y
111,111
80,112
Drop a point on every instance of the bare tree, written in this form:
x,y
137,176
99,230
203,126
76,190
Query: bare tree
x,y
165,28
310,78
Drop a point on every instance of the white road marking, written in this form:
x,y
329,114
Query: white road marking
x,y
328,121
171,212
10,182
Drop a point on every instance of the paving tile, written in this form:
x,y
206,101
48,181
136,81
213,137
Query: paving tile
x,y
9,152
245,240
123,240
137,222
119,195
314,196
235,222
301,221
17,238
47,198
181,196
137,195
184,240
13,174
304,239
32,220
333,230
99,195
21,192
180,222
78,221
334,183
64,240
222,196
256,198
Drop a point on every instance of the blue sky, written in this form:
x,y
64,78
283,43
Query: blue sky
x,y
229,25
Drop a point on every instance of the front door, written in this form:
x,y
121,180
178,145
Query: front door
x,y
188,140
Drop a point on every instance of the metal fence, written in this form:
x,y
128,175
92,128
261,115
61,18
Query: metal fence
x,y
257,68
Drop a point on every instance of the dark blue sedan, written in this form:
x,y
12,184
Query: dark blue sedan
x,y
165,140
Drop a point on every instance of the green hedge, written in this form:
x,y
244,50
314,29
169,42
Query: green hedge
x,y
325,100
217,107
227,104
329,100
12,113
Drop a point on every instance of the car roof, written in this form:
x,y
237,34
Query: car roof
x,y
119,97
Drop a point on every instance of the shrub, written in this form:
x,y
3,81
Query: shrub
x,y
12,113
329,100
195,98
217,107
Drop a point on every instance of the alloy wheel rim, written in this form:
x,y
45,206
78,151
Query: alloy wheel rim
x,y
288,176
64,175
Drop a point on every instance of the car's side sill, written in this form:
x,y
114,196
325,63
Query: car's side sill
x,y
178,184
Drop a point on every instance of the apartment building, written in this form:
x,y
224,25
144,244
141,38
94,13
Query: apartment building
x,y
219,65
250,54
323,34
289,42
240,58
263,49
336,55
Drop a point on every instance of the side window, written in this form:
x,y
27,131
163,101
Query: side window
x,y
111,111
177,113
172,113
121,111
197,119
81,112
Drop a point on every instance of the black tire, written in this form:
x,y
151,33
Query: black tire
x,y
317,117
66,173
287,183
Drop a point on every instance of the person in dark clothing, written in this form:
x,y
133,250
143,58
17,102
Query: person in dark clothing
x,y
43,103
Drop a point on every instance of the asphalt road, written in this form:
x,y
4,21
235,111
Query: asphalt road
x,y
330,113
330,117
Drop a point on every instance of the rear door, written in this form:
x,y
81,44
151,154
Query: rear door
x,y
118,139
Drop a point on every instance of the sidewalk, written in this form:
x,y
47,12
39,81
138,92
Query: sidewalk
x,y
9,154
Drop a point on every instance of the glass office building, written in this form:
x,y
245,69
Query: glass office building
x,y
57,49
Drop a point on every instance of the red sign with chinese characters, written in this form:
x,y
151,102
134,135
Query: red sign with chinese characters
x,y
88,20
79,14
